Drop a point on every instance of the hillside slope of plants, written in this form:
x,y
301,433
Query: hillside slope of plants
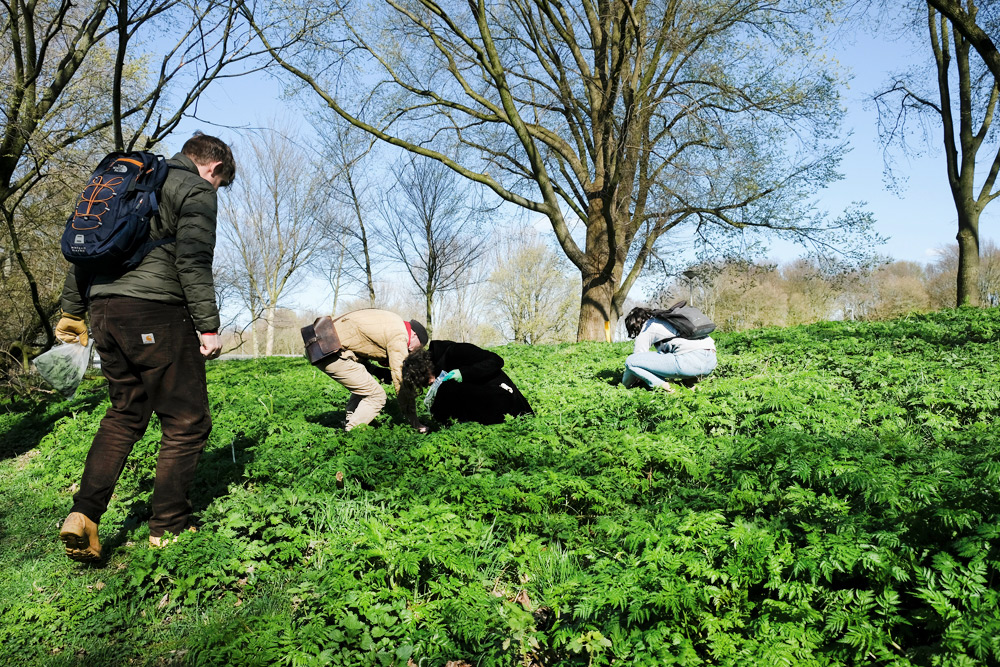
x,y
828,497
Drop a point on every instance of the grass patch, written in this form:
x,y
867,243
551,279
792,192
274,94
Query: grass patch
x,y
828,497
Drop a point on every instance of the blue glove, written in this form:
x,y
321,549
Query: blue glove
x,y
432,392
455,375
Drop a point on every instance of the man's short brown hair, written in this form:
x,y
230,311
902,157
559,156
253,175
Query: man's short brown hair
x,y
204,148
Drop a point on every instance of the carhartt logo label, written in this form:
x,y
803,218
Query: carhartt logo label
x,y
78,239
147,339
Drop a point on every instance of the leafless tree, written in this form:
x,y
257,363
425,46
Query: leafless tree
x,y
332,257
347,155
631,119
65,100
465,314
942,274
433,227
268,224
965,20
535,297
812,291
963,100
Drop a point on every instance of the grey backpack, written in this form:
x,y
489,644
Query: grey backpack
x,y
689,322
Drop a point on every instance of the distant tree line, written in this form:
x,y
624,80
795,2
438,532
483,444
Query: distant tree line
x,y
744,295
529,295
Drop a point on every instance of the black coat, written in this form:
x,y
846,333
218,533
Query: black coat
x,y
485,395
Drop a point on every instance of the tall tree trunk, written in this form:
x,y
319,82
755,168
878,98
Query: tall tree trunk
x,y
253,337
968,258
961,158
596,306
116,88
269,344
336,277
22,262
600,276
368,260
368,263
355,199
429,324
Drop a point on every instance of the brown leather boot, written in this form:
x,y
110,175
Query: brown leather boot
x,y
79,535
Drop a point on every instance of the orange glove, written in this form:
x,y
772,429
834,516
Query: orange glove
x,y
71,329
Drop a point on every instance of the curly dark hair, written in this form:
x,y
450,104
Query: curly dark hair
x,y
635,319
417,367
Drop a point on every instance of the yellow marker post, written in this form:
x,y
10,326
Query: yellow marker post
x,y
607,331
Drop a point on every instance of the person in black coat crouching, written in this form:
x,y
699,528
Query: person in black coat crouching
x,y
467,383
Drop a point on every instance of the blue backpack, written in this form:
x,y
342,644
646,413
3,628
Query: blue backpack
x,y
108,231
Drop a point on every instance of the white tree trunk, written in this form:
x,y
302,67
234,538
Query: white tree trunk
x,y
269,316
253,339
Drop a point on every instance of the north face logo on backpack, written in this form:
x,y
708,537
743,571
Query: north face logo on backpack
x,y
78,239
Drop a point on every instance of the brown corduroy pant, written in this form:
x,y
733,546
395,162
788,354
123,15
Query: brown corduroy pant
x,y
151,358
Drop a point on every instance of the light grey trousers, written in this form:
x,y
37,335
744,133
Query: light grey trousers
x,y
653,368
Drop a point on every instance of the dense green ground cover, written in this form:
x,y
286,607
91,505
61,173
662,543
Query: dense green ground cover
x,y
829,497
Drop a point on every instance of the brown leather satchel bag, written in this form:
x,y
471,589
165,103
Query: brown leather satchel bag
x,y
321,341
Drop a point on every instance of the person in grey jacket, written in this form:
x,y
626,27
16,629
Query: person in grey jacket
x,y
154,326
675,358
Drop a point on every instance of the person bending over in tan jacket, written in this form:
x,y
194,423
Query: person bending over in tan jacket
x,y
372,335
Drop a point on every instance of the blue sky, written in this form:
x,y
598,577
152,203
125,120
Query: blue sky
x,y
921,217
916,221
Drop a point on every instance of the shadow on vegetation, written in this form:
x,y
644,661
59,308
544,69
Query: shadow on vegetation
x,y
38,421
330,419
611,377
216,471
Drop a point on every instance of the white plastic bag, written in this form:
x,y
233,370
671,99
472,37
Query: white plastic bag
x,y
63,366
432,392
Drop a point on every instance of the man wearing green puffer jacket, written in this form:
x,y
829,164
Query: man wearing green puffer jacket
x,y
154,326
